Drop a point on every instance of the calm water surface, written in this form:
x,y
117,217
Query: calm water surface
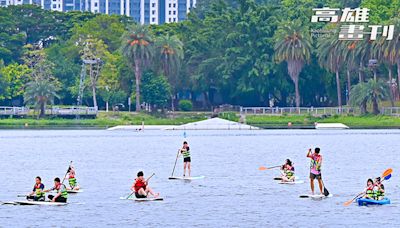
x,y
233,194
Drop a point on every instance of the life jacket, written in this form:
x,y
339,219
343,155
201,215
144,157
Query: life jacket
x,y
64,193
186,154
72,181
379,193
289,172
39,191
139,184
370,192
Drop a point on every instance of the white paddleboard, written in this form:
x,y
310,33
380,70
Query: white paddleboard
x,y
292,182
315,196
186,178
280,178
46,203
75,191
149,199
141,199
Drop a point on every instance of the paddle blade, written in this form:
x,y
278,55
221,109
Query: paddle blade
x,y
326,192
388,177
262,168
387,172
347,203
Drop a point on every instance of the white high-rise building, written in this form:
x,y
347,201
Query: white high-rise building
x,y
143,11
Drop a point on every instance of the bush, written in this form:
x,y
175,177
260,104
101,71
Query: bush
x,y
185,105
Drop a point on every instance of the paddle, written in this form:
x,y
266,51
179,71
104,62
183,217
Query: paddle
x,y
177,155
386,176
65,176
326,192
22,195
145,181
262,168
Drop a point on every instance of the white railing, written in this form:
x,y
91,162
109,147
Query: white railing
x,y
72,111
389,111
13,110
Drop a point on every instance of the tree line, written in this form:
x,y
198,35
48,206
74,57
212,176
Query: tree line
x,y
241,52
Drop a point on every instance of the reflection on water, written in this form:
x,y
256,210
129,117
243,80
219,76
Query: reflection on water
x,y
233,194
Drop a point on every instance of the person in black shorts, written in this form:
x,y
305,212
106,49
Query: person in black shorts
x,y
185,151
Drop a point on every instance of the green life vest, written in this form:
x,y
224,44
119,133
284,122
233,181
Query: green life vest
x,y
186,154
371,193
72,182
289,173
64,193
38,191
379,193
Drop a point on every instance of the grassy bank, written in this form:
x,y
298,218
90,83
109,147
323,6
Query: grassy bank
x,y
308,121
111,119
104,120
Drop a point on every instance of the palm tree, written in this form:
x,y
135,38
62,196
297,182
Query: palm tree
x,y
330,57
390,49
371,91
137,48
170,54
293,45
40,93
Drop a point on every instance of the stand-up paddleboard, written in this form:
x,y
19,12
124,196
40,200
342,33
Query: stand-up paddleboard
x,y
280,178
141,199
75,191
292,182
186,178
27,202
316,197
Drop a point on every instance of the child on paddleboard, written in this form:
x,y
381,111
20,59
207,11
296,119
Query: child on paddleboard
x,y
185,151
71,179
288,171
141,188
37,193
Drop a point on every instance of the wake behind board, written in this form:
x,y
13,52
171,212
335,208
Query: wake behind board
x,y
186,178
45,203
292,182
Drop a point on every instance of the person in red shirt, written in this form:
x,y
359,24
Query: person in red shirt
x,y
141,188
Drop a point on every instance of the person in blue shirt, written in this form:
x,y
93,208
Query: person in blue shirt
x,y
37,193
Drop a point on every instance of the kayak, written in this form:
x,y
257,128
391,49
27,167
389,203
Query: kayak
x,y
27,202
316,197
292,182
186,178
365,202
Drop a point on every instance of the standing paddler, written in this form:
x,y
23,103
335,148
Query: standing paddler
x,y
315,169
185,151
72,179
62,193
37,193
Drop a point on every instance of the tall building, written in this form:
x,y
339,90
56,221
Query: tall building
x,y
143,11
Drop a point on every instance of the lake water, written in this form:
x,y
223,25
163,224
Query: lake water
x,y
233,194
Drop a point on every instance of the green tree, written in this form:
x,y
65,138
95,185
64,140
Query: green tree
x,y
170,54
371,91
155,90
14,78
330,56
137,48
40,93
293,45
